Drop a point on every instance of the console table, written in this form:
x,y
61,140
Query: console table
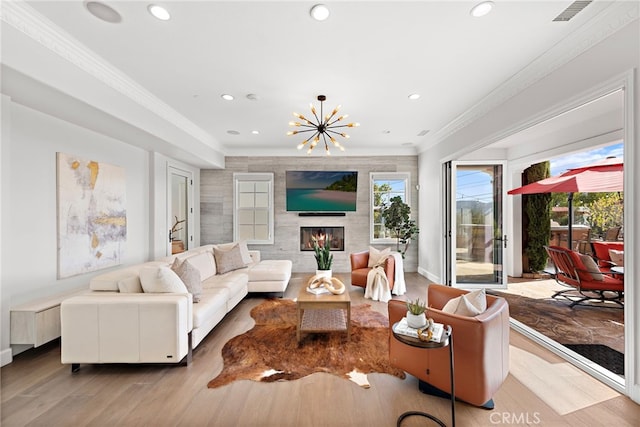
x,y
38,322
447,340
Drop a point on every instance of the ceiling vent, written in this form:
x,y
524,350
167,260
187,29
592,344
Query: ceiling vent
x,y
573,9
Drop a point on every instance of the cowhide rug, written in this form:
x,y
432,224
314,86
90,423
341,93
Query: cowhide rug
x,y
270,351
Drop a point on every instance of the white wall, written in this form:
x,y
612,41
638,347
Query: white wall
x,y
608,60
29,238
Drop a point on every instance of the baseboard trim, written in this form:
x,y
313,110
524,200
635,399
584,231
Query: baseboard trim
x,y
429,276
6,357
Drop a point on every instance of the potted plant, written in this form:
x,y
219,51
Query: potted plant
x,y
324,257
416,317
396,218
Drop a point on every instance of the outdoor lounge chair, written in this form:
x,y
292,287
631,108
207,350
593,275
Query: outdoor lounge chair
x,y
602,255
586,281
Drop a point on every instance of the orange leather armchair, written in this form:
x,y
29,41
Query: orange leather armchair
x,y
480,348
360,269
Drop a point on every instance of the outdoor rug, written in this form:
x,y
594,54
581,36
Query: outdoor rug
x,y
270,352
578,325
602,355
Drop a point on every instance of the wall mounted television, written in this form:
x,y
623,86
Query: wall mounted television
x,y
321,191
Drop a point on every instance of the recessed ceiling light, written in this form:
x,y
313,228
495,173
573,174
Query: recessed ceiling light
x,y
255,132
319,12
159,12
481,9
102,11
252,97
386,131
233,132
414,96
226,97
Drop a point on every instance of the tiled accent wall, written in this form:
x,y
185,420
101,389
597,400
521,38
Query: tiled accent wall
x,y
216,206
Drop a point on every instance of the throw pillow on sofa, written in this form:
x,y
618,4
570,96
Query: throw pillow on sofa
x,y
161,280
244,250
228,259
190,276
470,304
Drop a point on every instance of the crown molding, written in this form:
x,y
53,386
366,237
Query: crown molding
x,y
34,25
609,21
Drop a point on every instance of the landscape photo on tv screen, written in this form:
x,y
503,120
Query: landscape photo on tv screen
x,y
321,191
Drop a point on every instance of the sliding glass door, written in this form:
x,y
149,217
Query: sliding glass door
x,y
475,239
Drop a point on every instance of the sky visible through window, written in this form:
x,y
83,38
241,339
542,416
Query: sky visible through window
x,y
476,185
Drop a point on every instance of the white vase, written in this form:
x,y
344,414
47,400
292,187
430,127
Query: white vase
x,y
324,273
416,321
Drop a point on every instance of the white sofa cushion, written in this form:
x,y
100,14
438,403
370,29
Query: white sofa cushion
x,y
161,280
130,285
213,302
109,281
204,263
271,270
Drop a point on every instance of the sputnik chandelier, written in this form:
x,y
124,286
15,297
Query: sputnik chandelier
x,y
322,127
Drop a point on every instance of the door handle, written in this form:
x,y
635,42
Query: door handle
x,y
503,239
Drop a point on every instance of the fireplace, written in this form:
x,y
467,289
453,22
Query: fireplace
x,y
334,236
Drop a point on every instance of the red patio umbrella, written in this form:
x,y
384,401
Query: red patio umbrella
x,y
601,177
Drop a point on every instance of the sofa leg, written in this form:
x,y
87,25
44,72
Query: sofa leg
x,y
75,367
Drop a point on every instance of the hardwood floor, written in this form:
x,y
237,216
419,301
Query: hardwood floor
x,y
542,389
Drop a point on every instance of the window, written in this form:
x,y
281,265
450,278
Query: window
x,y
253,208
385,186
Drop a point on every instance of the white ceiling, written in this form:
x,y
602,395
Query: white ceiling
x,y
368,56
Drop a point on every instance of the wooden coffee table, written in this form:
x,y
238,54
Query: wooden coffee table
x,y
323,313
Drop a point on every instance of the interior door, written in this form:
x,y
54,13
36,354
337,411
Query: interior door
x,y
474,236
180,185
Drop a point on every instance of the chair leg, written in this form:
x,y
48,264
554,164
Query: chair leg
x,y
427,388
598,296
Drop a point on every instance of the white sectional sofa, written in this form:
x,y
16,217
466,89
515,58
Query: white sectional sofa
x,y
118,322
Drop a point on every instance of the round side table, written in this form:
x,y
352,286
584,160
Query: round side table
x,y
447,340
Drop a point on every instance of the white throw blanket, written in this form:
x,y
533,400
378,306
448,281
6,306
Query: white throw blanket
x,y
378,285
399,286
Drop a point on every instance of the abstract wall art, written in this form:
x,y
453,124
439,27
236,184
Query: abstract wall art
x,y
92,215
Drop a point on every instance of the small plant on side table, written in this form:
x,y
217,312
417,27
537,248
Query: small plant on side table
x,y
416,317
